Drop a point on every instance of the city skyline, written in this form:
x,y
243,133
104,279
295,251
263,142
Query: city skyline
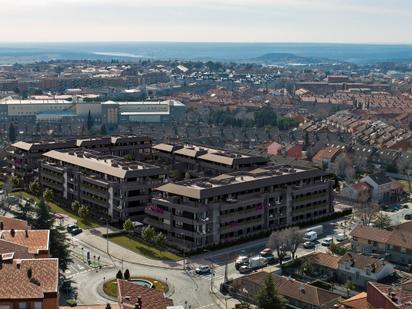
x,y
207,21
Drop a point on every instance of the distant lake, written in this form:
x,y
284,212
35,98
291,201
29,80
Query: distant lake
x,y
357,53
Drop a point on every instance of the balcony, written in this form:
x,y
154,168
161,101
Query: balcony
x,y
241,214
239,226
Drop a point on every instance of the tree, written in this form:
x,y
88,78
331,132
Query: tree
x,y
103,130
15,181
268,298
344,168
160,239
83,211
366,212
23,212
12,133
126,275
404,167
337,249
48,194
294,238
278,241
75,206
128,226
148,233
128,157
90,121
349,286
119,275
59,248
382,221
34,187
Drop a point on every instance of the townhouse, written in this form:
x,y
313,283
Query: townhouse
x,y
203,212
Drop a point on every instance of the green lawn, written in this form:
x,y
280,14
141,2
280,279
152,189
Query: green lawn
x,y
84,224
144,249
110,287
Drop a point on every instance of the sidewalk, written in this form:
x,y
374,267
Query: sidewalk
x,y
120,253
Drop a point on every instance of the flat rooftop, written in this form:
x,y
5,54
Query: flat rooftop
x,y
238,181
105,164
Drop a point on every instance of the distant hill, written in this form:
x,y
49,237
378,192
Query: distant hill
x,y
288,58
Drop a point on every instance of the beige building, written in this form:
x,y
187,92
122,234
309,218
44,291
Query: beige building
x,y
109,185
203,212
208,161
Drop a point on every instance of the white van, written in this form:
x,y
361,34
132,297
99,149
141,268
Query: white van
x,y
310,236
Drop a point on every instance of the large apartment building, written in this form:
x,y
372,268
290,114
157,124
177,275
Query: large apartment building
x,y
208,161
199,213
24,157
109,185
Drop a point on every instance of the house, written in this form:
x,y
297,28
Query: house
x,y
297,293
18,251
395,246
325,158
274,149
380,296
37,241
326,264
7,223
384,188
360,269
294,151
29,283
132,296
358,193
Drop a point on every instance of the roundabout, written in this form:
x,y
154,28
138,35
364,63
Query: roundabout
x,y
110,286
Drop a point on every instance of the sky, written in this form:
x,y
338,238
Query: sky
x,y
343,21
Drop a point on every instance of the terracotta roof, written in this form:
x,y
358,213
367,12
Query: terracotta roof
x,y
324,260
15,284
35,240
151,298
19,251
13,223
96,306
359,301
361,261
328,153
371,233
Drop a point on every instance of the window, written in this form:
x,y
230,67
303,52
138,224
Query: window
x,y
38,305
22,305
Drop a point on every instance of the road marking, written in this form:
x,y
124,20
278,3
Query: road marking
x,y
206,306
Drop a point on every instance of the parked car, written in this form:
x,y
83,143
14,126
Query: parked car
x,y
257,262
408,217
71,227
76,231
245,269
202,270
327,241
266,252
271,259
309,245
240,261
341,237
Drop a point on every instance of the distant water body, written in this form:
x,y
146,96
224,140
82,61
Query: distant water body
x,y
356,53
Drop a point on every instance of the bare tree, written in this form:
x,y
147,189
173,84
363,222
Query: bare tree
x,y
278,241
404,166
344,167
294,239
366,212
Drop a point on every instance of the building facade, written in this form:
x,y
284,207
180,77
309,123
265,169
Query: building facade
x,y
111,186
203,212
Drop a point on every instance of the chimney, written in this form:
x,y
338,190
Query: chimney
x,y
27,233
1,225
12,232
108,306
1,261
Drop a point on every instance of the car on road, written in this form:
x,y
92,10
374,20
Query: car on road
x,y
408,217
241,260
341,237
309,245
327,241
271,259
203,270
76,231
266,252
245,269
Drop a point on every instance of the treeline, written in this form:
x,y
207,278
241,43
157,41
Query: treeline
x,y
264,117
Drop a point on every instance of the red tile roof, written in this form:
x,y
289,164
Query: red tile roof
x,y
15,284
20,252
151,298
359,301
13,223
324,259
370,233
35,240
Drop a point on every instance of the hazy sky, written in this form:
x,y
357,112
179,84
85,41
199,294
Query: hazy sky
x,y
384,21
